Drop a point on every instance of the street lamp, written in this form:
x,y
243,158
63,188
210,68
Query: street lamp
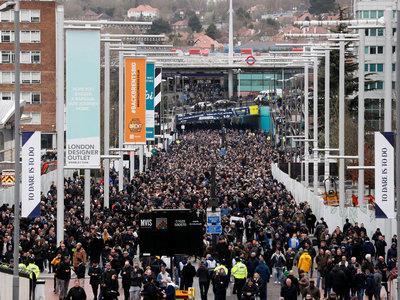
x,y
7,6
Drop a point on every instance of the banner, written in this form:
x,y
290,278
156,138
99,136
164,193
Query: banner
x,y
150,101
83,99
157,99
384,175
135,100
31,177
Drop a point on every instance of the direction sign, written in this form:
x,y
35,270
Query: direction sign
x,y
214,222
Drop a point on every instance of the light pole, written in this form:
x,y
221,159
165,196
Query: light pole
x,y
9,5
398,140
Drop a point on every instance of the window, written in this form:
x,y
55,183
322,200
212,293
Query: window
x,y
30,77
26,97
32,118
36,77
379,85
380,31
25,57
7,36
6,16
25,77
393,67
394,31
8,96
366,68
25,15
35,57
47,141
7,57
372,31
35,36
35,16
393,49
373,14
372,50
366,51
372,67
380,49
365,14
379,67
6,77
36,98
380,13
30,36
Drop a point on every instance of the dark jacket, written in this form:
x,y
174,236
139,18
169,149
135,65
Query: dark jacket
x,y
249,292
188,272
80,270
76,293
264,271
289,293
95,275
64,271
202,273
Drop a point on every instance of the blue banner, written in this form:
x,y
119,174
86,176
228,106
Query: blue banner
x,y
83,98
150,101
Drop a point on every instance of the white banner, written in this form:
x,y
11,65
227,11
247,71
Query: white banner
x,y
31,177
384,175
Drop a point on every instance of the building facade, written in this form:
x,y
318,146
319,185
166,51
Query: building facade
x,y
379,61
145,12
38,67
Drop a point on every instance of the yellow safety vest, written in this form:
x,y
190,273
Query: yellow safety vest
x,y
239,271
32,268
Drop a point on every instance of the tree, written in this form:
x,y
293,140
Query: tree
x,y
212,31
160,26
243,16
321,6
194,23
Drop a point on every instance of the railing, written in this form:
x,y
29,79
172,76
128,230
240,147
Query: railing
x,y
333,216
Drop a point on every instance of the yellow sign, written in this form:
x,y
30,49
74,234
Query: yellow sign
x,y
8,178
254,110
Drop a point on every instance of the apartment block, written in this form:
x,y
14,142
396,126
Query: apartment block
x,y
38,67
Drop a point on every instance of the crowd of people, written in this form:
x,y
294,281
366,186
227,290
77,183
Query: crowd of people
x,y
269,241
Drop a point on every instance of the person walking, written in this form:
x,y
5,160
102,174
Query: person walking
x,y
202,274
136,282
265,274
305,262
126,279
95,273
239,273
63,274
76,292
220,284
188,273
278,262
288,290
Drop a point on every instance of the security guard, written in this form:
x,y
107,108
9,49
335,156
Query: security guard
x,y
239,272
34,273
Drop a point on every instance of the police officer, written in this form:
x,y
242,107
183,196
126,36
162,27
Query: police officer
x,y
239,273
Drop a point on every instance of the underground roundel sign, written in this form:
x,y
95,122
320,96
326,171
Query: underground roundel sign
x,y
250,60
